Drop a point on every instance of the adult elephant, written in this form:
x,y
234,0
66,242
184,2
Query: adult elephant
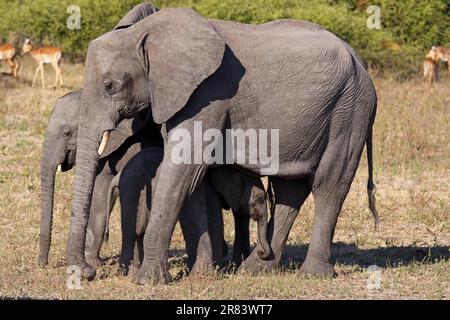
x,y
288,75
59,150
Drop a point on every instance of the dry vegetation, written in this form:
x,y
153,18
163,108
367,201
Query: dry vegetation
x,y
411,248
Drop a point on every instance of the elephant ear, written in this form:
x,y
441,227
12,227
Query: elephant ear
x,y
136,14
125,129
229,183
179,49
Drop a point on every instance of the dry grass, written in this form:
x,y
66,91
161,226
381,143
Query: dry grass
x,y
412,247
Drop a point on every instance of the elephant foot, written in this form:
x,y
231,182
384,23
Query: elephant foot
x,y
94,260
75,261
42,261
87,271
255,265
317,269
122,271
152,272
127,267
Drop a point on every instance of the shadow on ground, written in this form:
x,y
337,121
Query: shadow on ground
x,y
384,257
342,253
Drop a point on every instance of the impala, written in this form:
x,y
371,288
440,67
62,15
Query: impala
x,y
430,67
7,53
44,55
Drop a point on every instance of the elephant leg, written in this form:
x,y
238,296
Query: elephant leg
x,y
133,223
194,225
175,183
139,251
138,254
331,184
289,197
241,246
129,243
97,218
215,225
141,224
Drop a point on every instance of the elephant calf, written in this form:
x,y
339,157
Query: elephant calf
x,y
136,183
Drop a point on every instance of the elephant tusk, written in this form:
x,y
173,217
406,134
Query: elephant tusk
x,y
59,168
104,142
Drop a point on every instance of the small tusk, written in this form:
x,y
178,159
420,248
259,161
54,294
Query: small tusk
x,y
59,168
103,143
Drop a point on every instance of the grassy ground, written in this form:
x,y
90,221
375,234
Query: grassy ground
x,y
411,248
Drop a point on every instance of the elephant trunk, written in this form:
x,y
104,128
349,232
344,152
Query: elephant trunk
x,y
87,161
262,222
48,171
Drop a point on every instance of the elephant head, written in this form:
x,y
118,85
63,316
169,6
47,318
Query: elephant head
x,y
59,150
159,61
246,196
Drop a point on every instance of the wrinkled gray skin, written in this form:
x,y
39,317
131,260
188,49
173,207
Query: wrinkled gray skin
x,y
287,75
244,194
136,182
60,149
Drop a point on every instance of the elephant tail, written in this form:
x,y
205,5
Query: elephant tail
x,y
113,193
370,185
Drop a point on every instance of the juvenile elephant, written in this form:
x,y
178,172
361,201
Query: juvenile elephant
x,y
244,194
291,77
138,180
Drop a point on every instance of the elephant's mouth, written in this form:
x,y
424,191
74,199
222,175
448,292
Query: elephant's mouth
x,y
69,161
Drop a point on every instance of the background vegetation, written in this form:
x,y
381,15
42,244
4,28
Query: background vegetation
x,y
409,28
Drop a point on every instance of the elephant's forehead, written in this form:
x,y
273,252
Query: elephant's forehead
x,y
106,45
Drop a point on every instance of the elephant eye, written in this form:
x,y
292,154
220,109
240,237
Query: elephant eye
x,y
109,87
67,132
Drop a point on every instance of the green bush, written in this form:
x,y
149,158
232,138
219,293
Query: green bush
x,y
409,28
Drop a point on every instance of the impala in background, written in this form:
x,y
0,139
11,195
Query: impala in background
x,y
430,65
7,53
45,55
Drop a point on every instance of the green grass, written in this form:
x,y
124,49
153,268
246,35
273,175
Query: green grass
x,y
411,149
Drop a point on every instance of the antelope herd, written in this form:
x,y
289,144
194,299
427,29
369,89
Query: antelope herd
x,y
52,56
42,56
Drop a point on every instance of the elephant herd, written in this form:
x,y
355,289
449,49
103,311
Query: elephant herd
x,y
161,72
